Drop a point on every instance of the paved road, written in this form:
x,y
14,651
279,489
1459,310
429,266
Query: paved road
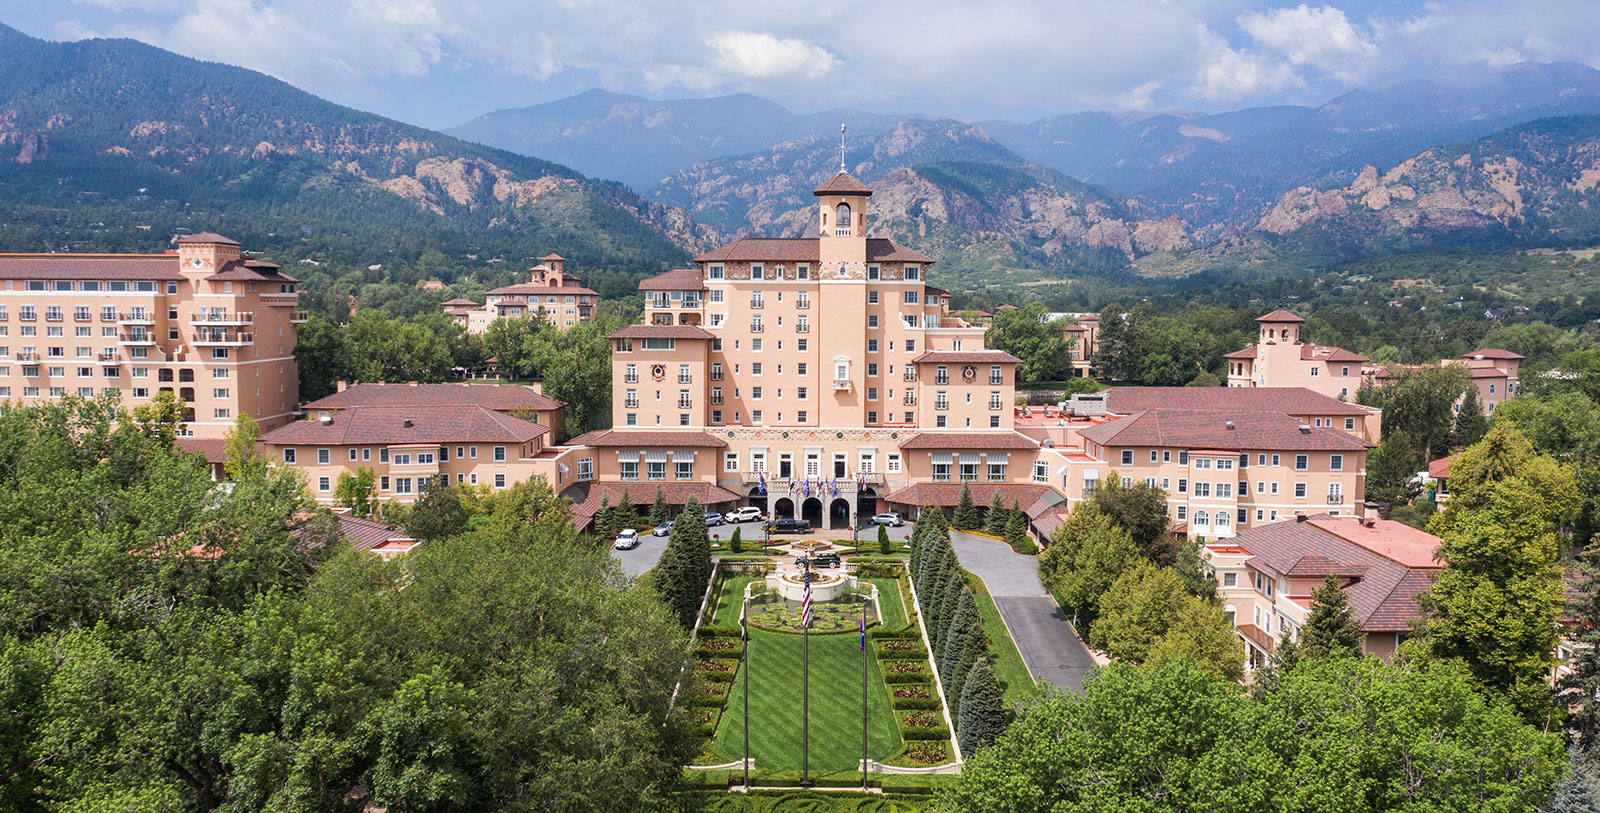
x,y
642,558
1047,642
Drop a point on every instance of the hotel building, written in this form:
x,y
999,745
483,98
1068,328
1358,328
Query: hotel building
x,y
207,323
1493,373
1265,577
550,292
1280,359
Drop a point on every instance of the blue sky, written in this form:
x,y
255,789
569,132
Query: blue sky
x,y
440,62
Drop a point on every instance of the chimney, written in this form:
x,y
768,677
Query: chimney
x,y
1300,516
325,419
1228,424
341,386
408,423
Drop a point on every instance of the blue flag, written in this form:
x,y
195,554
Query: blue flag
x,y
863,624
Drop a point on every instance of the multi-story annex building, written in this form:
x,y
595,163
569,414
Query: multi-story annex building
x,y
550,292
210,325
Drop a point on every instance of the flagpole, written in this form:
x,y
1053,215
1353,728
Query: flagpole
x,y
863,691
745,634
805,686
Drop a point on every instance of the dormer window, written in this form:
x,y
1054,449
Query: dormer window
x,y
841,220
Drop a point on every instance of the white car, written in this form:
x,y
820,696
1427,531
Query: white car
x,y
628,539
748,513
889,518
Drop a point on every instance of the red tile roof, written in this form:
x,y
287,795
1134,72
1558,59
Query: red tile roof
x,y
1317,352
966,357
500,397
662,332
533,288
1440,469
1492,353
1279,315
1288,400
460,301
948,494
1487,372
640,493
842,183
375,425
364,534
250,271
638,439
678,279
552,256
214,449
804,250
969,440
1383,596
1247,353
1179,428
206,237
90,266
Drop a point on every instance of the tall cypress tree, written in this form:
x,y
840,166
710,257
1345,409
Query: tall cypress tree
x,y
605,520
966,518
994,521
1017,530
983,711
659,510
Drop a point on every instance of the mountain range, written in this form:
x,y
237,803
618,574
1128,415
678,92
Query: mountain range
x,y
116,144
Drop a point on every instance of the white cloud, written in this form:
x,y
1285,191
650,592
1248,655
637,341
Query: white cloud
x,y
756,55
1321,37
1229,75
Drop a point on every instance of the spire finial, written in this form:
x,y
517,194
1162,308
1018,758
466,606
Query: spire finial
x,y
841,147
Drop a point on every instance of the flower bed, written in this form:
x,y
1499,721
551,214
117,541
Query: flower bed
x,y
719,647
901,649
926,753
921,719
825,618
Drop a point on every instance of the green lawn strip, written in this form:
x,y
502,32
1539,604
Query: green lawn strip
x,y
729,599
812,801
775,707
1015,680
893,610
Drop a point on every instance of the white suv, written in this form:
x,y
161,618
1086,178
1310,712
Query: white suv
x,y
748,513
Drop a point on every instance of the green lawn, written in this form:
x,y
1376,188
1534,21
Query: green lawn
x,y
775,719
893,610
1015,680
726,614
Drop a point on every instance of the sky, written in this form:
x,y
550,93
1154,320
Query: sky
x,y
439,63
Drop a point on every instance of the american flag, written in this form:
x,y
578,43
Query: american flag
x,y
805,601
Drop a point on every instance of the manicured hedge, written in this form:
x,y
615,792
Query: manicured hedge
x,y
910,734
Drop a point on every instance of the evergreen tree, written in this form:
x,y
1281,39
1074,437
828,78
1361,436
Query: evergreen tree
x,y
1017,531
967,518
660,512
994,520
1284,658
736,543
1583,684
983,711
949,602
1579,790
625,515
685,565
885,545
934,516
1471,423
605,520
1332,629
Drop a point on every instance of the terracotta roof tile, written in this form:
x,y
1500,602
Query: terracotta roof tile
x,y
969,440
532,288
364,534
377,425
662,332
842,183
1179,428
500,397
1286,400
1247,353
251,270
642,492
632,439
460,301
206,237
967,357
90,266
1318,352
1440,469
1279,315
1492,353
678,279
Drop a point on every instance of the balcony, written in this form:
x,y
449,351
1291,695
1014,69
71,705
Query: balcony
x,y
221,318
633,404
941,404
685,405
911,374
1335,499
82,316
298,317
630,378
842,385
220,339
109,357
941,379
26,356
995,381
802,304
910,399
26,316
138,339
802,327
716,375
52,316
755,327
685,379
135,318
756,303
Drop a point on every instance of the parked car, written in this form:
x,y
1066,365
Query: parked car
x,y
628,539
713,519
748,513
664,529
788,525
820,560
890,518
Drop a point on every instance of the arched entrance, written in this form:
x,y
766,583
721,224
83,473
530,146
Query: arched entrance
x,y
757,499
784,507
811,511
839,513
